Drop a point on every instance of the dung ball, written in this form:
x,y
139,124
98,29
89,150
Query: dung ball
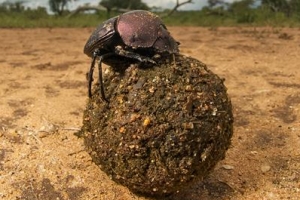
x,y
165,127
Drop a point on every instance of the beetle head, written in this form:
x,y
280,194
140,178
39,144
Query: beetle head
x,y
100,37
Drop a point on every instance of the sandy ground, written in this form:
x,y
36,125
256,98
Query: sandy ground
x,y
43,94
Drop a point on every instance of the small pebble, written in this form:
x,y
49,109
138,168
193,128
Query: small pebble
x,y
152,89
134,117
228,167
122,129
265,168
146,121
253,152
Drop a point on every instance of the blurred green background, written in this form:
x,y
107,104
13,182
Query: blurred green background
x,y
215,13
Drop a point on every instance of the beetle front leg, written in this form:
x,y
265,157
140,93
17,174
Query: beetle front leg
x,y
90,75
101,79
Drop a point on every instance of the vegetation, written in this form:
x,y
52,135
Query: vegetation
x,y
133,4
58,6
216,13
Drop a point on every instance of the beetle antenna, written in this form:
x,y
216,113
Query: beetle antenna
x,y
101,79
90,75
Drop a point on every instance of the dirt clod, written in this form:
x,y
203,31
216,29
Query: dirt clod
x,y
165,126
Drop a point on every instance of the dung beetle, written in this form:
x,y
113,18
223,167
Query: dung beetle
x,y
136,35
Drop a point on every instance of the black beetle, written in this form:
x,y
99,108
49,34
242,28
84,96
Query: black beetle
x,y
136,35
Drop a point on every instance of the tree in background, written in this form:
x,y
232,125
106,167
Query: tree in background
x,y
239,7
242,11
214,3
113,5
121,4
278,6
129,5
215,7
58,6
13,6
295,7
288,7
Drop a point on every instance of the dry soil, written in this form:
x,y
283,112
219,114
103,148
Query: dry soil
x,y
43,92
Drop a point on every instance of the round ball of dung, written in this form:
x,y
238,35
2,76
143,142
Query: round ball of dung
x,y
165,126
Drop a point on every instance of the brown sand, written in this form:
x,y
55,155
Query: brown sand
x,y
43,94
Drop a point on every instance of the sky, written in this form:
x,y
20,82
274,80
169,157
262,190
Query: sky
x,y
197,5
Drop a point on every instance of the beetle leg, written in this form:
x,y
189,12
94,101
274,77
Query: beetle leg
x,y
101,79
90,75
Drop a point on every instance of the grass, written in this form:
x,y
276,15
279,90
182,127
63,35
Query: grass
x,y
21,21
33,19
